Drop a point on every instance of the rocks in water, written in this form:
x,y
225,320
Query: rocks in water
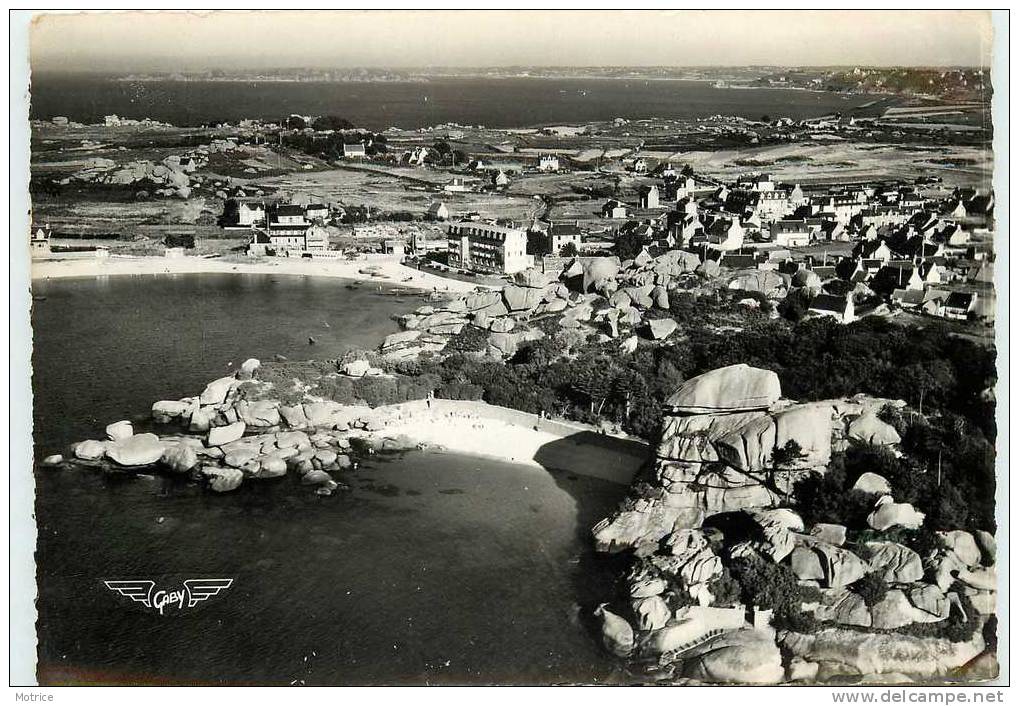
x,y
315,477
648,522
119,430
326,457
222,480
272,466
225,434
179,458
660,329
90,450
217,390
261,413
617,634
201,419
869,429
166,411
739,657
248,368
888,513
292,439
873,484
137,450
730,389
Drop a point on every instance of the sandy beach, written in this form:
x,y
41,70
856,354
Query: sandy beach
x,y
386,272
489,431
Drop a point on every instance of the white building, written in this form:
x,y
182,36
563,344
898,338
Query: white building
x,y
486,247
250,212
790,233
548,163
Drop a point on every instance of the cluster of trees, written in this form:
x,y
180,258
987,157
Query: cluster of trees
x,y
330,147
442,153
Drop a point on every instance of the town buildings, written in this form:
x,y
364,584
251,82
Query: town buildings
x,y
486,247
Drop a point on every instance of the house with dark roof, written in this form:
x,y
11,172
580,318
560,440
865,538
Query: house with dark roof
x,y
959,305
615,209
839,308
649,196
790,233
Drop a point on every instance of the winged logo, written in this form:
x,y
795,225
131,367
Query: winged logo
x,y
203,589
193,592
139,591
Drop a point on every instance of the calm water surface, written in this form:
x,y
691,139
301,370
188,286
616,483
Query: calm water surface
x,y
433,568
515,102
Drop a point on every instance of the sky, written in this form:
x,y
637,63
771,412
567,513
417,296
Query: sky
x,y
168,41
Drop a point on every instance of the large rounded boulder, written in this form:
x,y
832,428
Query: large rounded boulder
x,y
734,388
137,450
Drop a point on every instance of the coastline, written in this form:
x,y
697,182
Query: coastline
x,y
390,271
488,431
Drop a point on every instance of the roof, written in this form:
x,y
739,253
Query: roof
x,y
828,302
913,297
960,300
289,210
564,229
738,261
317,207
790,226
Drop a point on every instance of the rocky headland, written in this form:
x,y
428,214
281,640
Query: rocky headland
x,y
711,523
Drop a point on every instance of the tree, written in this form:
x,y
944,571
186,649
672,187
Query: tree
x,y
687,170
296,122
568,250
628,245
331,122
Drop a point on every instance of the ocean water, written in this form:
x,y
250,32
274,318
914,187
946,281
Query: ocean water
x,y
502,103
433,568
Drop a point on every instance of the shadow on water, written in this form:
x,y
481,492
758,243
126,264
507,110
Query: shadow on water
x,y
594,575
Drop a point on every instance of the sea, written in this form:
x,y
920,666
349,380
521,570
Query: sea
x,y
497,103
432,569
